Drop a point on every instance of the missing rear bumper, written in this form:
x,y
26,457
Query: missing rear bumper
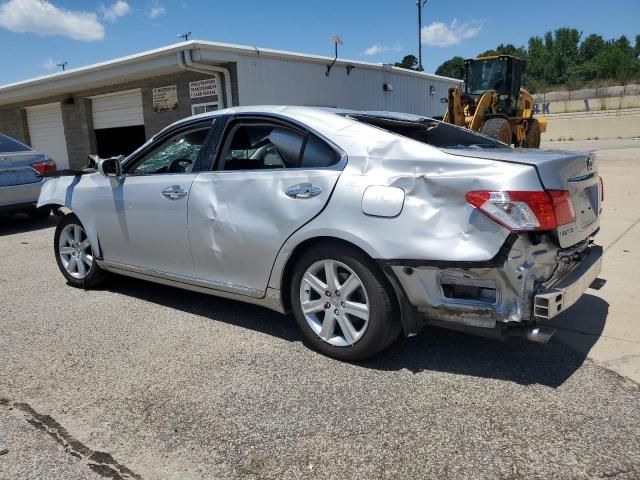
x,y
563,292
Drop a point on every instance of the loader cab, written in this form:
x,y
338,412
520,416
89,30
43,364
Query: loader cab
x,y
501,73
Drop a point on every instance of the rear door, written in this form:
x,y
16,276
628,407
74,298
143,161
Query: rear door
x,y
270,178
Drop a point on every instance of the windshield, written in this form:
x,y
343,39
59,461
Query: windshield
x,y
429,131
484,75
8,144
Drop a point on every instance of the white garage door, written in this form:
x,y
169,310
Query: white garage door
x,y
120,109
46,131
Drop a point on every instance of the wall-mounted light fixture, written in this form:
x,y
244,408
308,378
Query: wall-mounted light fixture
x,y
432,90
387,87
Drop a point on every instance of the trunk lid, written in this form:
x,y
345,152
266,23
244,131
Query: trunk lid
x,y
576,172
16,169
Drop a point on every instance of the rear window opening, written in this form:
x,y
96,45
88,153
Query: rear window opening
x,y
429,131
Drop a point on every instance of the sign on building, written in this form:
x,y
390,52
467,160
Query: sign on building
x,y
165,98
203,88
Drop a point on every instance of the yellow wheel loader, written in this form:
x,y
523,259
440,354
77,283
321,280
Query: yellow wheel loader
x,y
491,101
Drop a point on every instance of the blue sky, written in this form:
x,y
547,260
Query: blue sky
x,y
37,34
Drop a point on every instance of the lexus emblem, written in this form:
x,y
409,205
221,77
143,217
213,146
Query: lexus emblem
x,y
589,163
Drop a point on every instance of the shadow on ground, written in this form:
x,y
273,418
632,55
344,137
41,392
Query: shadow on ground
x,y
516,360
21,223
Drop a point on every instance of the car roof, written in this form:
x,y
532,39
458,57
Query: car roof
x,y
324,120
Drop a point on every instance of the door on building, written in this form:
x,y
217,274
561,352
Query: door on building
x,y
118,122
46,131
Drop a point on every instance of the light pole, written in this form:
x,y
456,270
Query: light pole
x,y
420,4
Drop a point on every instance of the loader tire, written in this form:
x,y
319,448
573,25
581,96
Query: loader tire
x,y
497,128
533,134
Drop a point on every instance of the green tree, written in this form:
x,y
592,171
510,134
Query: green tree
x,y
563,58
453,68
410,62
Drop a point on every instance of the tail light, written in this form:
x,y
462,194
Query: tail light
x,y
525,211
45,166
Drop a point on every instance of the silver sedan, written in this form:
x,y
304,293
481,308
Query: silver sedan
x,y
366,225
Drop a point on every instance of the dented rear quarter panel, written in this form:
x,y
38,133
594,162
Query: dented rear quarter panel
x,y
436,222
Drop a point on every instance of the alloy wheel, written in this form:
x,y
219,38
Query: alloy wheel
x,y
75,251
334,302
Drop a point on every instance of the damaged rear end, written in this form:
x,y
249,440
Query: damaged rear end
x,y
542,263
547,262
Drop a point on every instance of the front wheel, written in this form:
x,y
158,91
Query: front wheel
x,y
497,128
342,303
74,255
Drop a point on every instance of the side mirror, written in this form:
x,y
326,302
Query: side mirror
x,y
110,167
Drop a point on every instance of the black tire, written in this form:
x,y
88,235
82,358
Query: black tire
x,y
533,134
383,327
497,128
39,213
95,275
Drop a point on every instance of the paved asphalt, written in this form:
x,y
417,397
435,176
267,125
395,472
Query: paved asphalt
x,y
138,380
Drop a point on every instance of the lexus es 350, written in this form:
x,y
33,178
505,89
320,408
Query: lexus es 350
x,y
366,225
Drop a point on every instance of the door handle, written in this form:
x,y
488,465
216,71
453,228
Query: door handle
x,y
302,191
174,192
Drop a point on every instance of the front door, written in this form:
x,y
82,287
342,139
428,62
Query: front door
x,y
270,181
142,216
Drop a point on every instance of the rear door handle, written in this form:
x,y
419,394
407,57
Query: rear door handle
x,y
174,192
303,191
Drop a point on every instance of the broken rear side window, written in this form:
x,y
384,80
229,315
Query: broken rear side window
x,y
429,131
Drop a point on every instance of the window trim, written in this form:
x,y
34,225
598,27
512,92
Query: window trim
x,y
205,104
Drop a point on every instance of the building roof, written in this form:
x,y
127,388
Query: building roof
x,y
161,61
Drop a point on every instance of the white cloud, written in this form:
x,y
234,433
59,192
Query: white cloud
x,y
156,9
119,9
439,34
377,49
44,18
50,64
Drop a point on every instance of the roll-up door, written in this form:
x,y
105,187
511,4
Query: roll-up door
x,y
46,131
120,109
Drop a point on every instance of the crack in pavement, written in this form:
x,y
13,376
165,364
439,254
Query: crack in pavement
x,y
631,227
100,462
583,332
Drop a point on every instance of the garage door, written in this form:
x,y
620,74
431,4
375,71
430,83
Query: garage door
x,y
46,131
121,109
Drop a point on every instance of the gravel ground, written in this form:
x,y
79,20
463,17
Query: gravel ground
x,y
139,380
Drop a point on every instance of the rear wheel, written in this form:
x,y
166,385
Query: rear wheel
x,y
533,134
497,128
74,255
343,303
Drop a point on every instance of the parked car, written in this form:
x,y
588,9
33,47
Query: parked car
x,y
363,224
20,178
